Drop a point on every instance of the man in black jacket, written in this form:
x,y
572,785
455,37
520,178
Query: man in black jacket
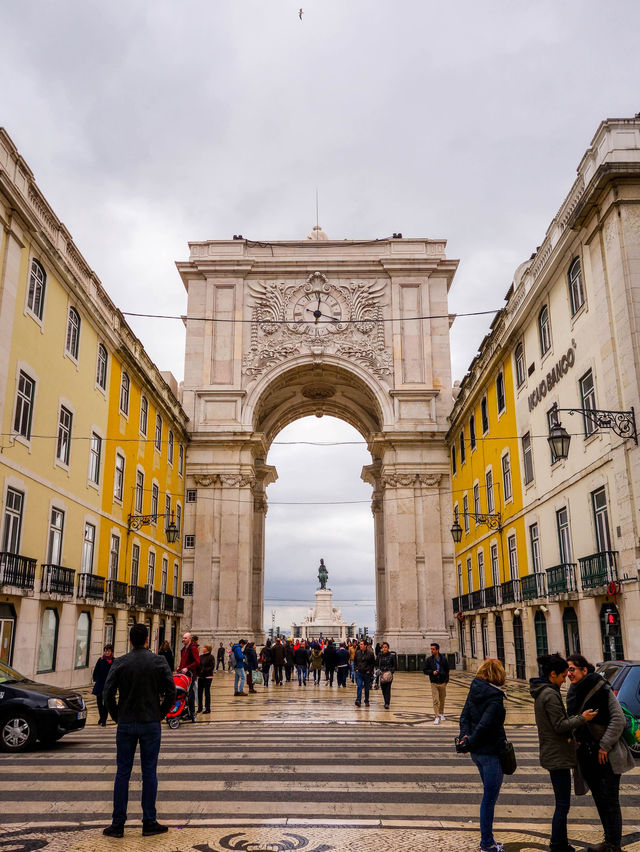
x,y
140,678
437,668
365,661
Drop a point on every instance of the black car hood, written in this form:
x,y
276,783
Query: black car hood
x,y
45,689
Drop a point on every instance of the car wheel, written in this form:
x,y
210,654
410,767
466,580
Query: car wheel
x,y
17,731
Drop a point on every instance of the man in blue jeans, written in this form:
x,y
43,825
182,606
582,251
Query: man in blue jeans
x,y
141,679
365,661
240,659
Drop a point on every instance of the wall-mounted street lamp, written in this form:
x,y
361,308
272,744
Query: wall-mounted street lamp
x,y
622,423
171,530
491,520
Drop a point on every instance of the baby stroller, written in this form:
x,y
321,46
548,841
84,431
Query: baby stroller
x,y
180,709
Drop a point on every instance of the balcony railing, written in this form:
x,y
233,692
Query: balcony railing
x,y
178,605
561,579
493,596
533,586
137,596
599,569
116,592
167,602
477,599
18,571
91,586
57,580
157,600
148,591
510,591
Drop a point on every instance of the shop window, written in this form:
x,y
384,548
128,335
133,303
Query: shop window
x,y
48,646
83,641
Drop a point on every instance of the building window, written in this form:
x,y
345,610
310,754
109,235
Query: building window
x,y
167,508
465,512
48,640
187,588
472,636
520,368
88,548
151,569
37,286
454,464
101,367
463,651
469,575
83,638
544,330
144,415
576,290
139,490
472,432
500,395
176,571
95,455
155,496
114,557
481,569
513,556
165,575
118,478
476,499
484,414
135,564
506,477
189,541
564,535
170,447
178,516
24,405
552,419
495,565
12,521
73,333
462,447
192,495
484,630
488,478
460,589
534,538
601,518
588,397
527,458
180,460
158,435
54,545
63,446
125,387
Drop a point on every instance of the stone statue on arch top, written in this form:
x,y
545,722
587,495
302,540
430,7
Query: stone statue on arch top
x,y
323,574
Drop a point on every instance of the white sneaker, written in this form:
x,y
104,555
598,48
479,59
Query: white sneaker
x,y
436,721
442,719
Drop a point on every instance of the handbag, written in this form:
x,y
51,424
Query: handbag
x,y
507,757
386,676
256,676
580,786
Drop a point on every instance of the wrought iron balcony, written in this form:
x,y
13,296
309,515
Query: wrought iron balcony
x,y
510,591
148,591
167,602
561,579
137,596
477,599
91,586
533,586
456,605
18,571
57,580
598,569
157,600
493,596
178,605
116,592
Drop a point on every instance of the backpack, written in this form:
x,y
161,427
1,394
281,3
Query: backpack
x,y
232,659
631,733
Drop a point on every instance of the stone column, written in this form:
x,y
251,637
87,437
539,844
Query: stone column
x,y
236,545
265,475
371,474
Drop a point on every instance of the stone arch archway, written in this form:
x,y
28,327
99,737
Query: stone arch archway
x,y
253,365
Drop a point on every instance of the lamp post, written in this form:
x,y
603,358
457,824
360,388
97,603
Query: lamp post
x,y
492,520
622,423
171,530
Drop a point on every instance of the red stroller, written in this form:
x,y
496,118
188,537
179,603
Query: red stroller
x,y
180,709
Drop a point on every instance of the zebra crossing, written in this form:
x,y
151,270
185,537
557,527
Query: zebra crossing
x,y
302,770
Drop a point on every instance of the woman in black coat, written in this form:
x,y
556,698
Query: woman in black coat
x,y
165,651
387,664
205,676
100,673
265,662
251,663
482,732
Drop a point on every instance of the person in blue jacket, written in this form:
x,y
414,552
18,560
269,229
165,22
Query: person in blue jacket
x,y
482,734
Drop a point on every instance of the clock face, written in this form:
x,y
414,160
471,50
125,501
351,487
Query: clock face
x,y
317,313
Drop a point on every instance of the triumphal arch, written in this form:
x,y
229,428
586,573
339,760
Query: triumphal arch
x,y
278,331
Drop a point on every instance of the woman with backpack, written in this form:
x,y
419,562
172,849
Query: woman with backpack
x,y
602,755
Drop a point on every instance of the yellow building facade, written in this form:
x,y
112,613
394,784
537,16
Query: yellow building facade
x,y
74,571
491,560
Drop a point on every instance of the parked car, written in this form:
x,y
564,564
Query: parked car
x,y
32,711
624,677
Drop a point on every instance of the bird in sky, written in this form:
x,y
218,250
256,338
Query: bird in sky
x,y
300,13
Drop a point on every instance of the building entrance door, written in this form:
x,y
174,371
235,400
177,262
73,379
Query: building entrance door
x,y
7,631
518,644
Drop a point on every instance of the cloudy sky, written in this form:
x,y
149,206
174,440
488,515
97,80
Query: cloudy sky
x,y
149,124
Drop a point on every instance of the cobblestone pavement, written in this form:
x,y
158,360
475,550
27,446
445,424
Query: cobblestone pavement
x,y
298,768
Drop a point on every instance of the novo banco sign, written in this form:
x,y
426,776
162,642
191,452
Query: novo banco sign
x,y
560,369
279,331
